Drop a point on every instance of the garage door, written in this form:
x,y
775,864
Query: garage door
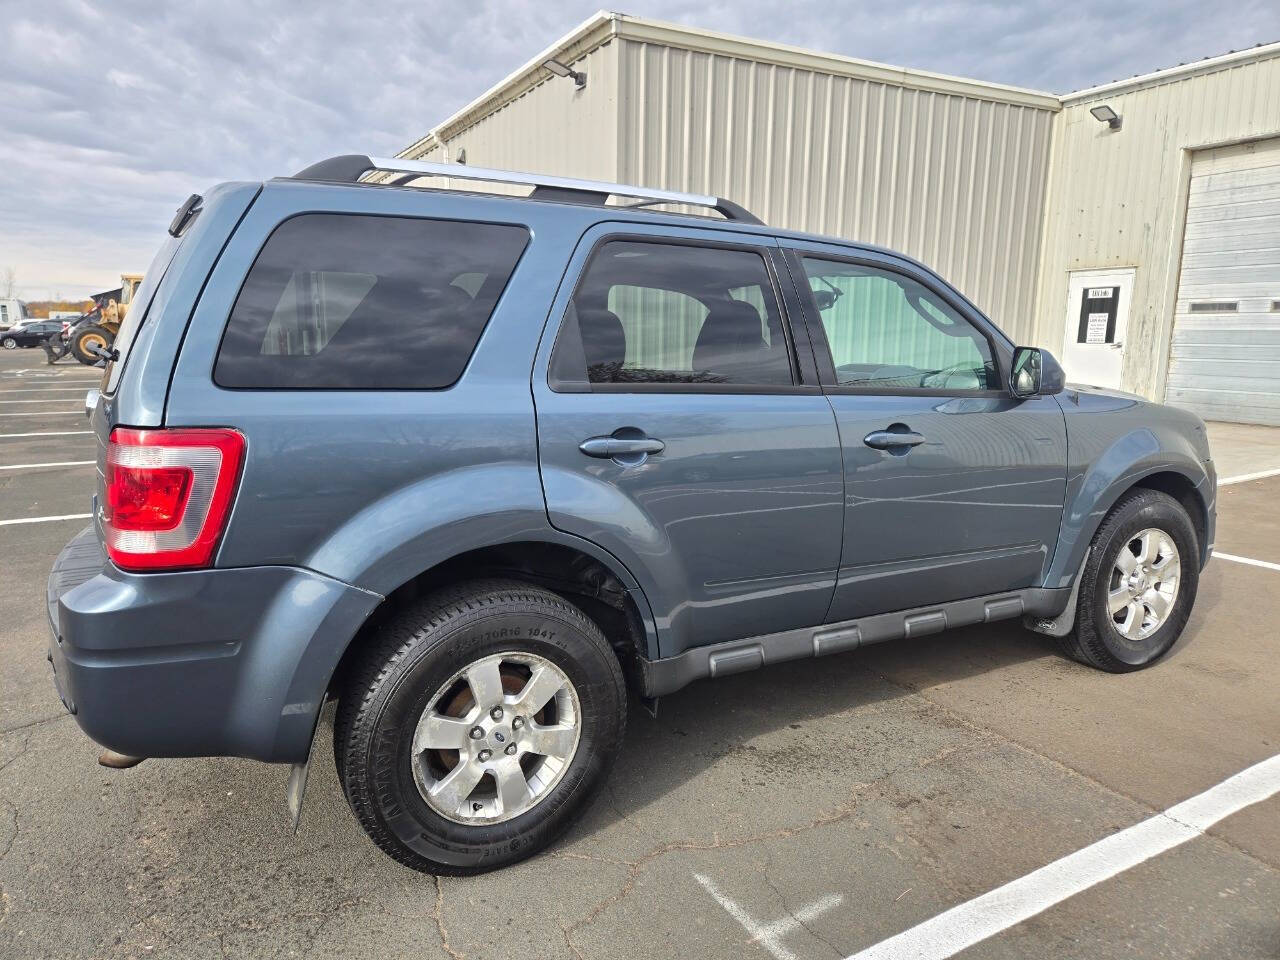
x,y
1225,361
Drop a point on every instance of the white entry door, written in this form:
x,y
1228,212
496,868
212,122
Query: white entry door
x,y
1097,315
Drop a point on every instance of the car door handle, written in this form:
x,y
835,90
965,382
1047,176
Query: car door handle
x,y
608,447
888,439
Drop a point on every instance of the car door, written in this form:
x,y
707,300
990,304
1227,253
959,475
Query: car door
x,y
681,428
953,488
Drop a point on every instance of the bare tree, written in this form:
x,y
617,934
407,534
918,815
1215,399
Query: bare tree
x,y
8,283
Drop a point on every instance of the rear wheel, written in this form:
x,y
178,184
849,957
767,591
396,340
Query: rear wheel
x,y
1138,586
478,725
91,335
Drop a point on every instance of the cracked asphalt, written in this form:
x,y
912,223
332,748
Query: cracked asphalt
x,y
899,780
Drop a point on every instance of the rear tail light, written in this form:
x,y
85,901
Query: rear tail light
x,y
167,495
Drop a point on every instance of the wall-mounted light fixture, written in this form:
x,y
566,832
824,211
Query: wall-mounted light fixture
x,y
560,70
1104,114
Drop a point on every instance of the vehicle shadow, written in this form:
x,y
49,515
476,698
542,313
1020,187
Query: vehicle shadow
x,y
712,719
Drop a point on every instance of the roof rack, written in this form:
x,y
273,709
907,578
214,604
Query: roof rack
x,y
349,168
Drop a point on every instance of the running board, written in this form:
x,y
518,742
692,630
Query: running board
x,y
737,656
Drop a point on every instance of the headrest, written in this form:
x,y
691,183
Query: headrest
x,y
730,336
604,341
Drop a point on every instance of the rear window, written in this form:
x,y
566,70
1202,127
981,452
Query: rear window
x,y
132,321
350,302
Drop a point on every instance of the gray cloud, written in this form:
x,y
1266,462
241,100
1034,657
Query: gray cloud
x,y
111,114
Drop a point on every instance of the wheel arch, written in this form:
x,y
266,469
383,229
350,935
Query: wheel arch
x,y
576,569
1183,478
1188,494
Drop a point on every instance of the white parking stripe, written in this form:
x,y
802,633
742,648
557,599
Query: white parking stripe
x,y
46,433
4,392
60,463
1249,560
50,400
65,516
45,413
33,377
1249,476
769,935
972,922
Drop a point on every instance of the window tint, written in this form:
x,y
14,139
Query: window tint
x,y
336,301
674,313
888,332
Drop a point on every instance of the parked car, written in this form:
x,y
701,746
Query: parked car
x,y
29,333
474,465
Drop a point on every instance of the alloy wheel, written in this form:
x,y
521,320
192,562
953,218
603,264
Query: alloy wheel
x,y
1144,584
496,738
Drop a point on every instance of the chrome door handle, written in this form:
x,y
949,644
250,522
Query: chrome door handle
x,y
888,439
607,448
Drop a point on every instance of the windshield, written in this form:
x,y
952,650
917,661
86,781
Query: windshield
x,y
137,312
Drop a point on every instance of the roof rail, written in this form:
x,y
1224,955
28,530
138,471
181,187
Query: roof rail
x,y
351,167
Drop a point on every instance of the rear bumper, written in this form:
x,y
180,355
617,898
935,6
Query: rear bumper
x,y
223,662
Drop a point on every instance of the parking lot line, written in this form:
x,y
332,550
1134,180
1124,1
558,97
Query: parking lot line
x,y
24,377
43,390
59,463
52,400
769,935
46,433
1259,475
1249,560
44,413
65,516
985,916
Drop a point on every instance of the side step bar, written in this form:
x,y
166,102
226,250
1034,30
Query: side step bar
x,y
736,656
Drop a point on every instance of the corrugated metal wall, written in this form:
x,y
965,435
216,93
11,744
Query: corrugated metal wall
x,y
992,187
552,127
953,180
1118,199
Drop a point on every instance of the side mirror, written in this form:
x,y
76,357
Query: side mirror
x,y
1035,373
824,299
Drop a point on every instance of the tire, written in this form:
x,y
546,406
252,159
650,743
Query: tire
x,y
85,335
9,343
423,659
1119,642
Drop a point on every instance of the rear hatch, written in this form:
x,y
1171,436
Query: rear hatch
x,y
135,383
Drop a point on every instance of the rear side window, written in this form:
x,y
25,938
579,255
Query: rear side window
x,y
348,302
656,313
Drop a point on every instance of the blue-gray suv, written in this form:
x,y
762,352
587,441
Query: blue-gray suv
x,y
473,465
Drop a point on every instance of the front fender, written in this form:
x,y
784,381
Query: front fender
x,y
1103,468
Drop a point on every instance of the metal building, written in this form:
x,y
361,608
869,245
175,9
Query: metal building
x,y
1180,206
1043,215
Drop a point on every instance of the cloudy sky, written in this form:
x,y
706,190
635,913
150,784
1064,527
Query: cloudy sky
x,y
111,113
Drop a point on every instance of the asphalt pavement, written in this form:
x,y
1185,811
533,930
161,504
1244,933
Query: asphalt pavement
x,y
807,812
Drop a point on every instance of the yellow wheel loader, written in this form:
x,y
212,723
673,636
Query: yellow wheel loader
x,y
95,332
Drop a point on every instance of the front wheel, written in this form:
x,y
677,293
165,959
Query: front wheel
x,y
1138,586
9,343
478,725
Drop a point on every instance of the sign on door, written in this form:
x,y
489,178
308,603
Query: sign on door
x,y
1098,309
1097,313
